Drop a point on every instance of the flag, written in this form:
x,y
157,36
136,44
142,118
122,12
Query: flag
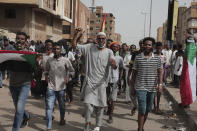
x,y
102,29
13,59
188,76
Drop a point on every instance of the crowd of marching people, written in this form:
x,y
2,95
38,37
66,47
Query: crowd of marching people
x,y
101,68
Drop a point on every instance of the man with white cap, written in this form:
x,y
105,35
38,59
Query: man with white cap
x,y
98,62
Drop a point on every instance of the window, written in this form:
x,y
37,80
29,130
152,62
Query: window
x,y
110,28
10,13
66,29
49,21
98,15
48,3
98,21
106,28
91,22
195,31
54,4
111,21
97,28
91,28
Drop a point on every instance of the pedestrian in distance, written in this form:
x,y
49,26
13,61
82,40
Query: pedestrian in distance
x,y
158,93
116,76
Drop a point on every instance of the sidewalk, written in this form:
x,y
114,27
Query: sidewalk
x,y
190,115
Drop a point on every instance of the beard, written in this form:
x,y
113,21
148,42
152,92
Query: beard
x,y
147,51
57,55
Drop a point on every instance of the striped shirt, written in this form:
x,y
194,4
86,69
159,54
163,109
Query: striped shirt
x,y
146,72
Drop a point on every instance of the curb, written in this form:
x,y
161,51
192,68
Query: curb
x,y
188,118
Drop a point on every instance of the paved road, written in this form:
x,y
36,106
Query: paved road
x,y
123,121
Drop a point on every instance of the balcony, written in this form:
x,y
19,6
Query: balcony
x,y
59,8
29,2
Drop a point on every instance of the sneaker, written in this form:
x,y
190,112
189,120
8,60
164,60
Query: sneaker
x,y
110,121
96,129
25,122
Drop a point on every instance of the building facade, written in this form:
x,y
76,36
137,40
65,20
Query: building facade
x,y
164,34
96,19
81,19
180,25
117,38
187,20
160,34
40,19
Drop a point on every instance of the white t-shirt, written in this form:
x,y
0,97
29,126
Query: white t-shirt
x,y
179,62
115,72
70,56
168,54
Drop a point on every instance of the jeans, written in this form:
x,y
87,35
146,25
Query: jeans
x,y
0,79
145,101
50,99
19,96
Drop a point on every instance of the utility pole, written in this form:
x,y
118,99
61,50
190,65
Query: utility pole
x,y
150,18
92,6
144,13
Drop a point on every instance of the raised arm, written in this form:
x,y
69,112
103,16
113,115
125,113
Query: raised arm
x,y
77,36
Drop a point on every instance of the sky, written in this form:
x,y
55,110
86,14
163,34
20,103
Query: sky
x,y
130,18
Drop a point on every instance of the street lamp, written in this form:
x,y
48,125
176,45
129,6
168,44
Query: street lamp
x,y
144,13
150,17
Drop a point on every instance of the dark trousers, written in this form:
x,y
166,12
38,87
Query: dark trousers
x,y
177,80
69,90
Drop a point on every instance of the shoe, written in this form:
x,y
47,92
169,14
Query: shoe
x,y
1,87
110,121
96,129
62,122
186,107
25,122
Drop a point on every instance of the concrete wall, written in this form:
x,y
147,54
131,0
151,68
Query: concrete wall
x,y
14,25
81,16
33,22
160,34
44,31
179,34
175,17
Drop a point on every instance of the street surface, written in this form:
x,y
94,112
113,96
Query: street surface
x,y
123,121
